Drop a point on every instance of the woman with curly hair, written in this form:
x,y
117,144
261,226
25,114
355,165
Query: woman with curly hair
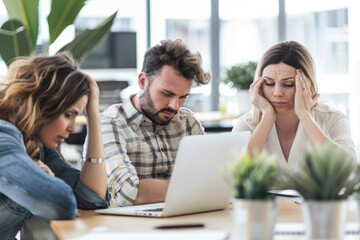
x,y
39,102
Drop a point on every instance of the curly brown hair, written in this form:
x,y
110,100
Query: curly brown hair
x,y
176,54
37,90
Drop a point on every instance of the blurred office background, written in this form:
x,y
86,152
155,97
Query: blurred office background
x,y
226,32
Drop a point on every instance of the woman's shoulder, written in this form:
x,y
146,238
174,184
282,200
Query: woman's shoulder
x,y
244,122
323,108
247,116
326,112
9,130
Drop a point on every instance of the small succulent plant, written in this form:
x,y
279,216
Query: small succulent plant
x,y
253,177
326,174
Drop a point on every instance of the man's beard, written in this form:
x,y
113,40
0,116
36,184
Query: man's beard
x,y
148,109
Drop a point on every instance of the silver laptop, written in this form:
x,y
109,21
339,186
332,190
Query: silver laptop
x,y
197,183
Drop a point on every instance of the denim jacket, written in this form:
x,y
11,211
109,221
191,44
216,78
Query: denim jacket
x,y
26,190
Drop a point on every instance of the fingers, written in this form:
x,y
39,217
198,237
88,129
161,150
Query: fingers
x,y
315,99
94,89
94,98
299,81
254,82
302,82
255,86
305,99
45,168
93,86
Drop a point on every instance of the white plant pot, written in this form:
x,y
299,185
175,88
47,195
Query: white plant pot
x,y
244,101
324,219
357,199
258,216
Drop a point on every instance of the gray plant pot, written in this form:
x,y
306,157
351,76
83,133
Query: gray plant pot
x,y
357,199
324,219
258,216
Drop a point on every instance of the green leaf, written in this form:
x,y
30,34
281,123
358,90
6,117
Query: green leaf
x,y
89,39
254,177
63,14
13,35
25,11
240,76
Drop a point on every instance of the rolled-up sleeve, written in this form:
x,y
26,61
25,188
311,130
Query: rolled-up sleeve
x,y
122,176
87,199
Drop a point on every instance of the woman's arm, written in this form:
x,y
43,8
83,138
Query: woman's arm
x,y
93,175
261,131
304,101
27,185
338,133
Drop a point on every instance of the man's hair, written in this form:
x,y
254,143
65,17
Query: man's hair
x,y
38,89
176,54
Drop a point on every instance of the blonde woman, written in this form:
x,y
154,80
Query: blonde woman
x,y
39,102
287,116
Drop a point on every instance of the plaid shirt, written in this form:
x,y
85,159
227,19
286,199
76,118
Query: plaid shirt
x,y
136,148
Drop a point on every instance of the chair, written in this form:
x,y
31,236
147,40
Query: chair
x,y
109,94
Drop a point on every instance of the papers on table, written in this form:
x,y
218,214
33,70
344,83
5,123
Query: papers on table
x,y
161,235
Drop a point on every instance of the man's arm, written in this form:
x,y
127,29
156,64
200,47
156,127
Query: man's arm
x,y
151,191
122,176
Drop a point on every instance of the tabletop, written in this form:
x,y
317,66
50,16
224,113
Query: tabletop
x,y
289,218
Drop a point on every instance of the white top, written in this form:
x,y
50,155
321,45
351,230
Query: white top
x,y
332,121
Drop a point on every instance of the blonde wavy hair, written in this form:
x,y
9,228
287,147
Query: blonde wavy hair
x,y
37,90
293,54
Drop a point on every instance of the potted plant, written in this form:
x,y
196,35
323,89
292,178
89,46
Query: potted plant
x,y
240,77
252,179
325,180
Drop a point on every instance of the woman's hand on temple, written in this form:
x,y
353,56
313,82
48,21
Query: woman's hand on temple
x,y
304,98
93,101
256,96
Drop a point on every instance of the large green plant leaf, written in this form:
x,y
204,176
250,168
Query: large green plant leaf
x,y
26,11
63,14
14,41
89,39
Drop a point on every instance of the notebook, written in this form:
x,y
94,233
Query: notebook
x,y
197,183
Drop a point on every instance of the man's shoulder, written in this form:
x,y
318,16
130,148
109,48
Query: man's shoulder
x,y
185,112
112,111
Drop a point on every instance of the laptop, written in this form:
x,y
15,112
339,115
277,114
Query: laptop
x,y
197,183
